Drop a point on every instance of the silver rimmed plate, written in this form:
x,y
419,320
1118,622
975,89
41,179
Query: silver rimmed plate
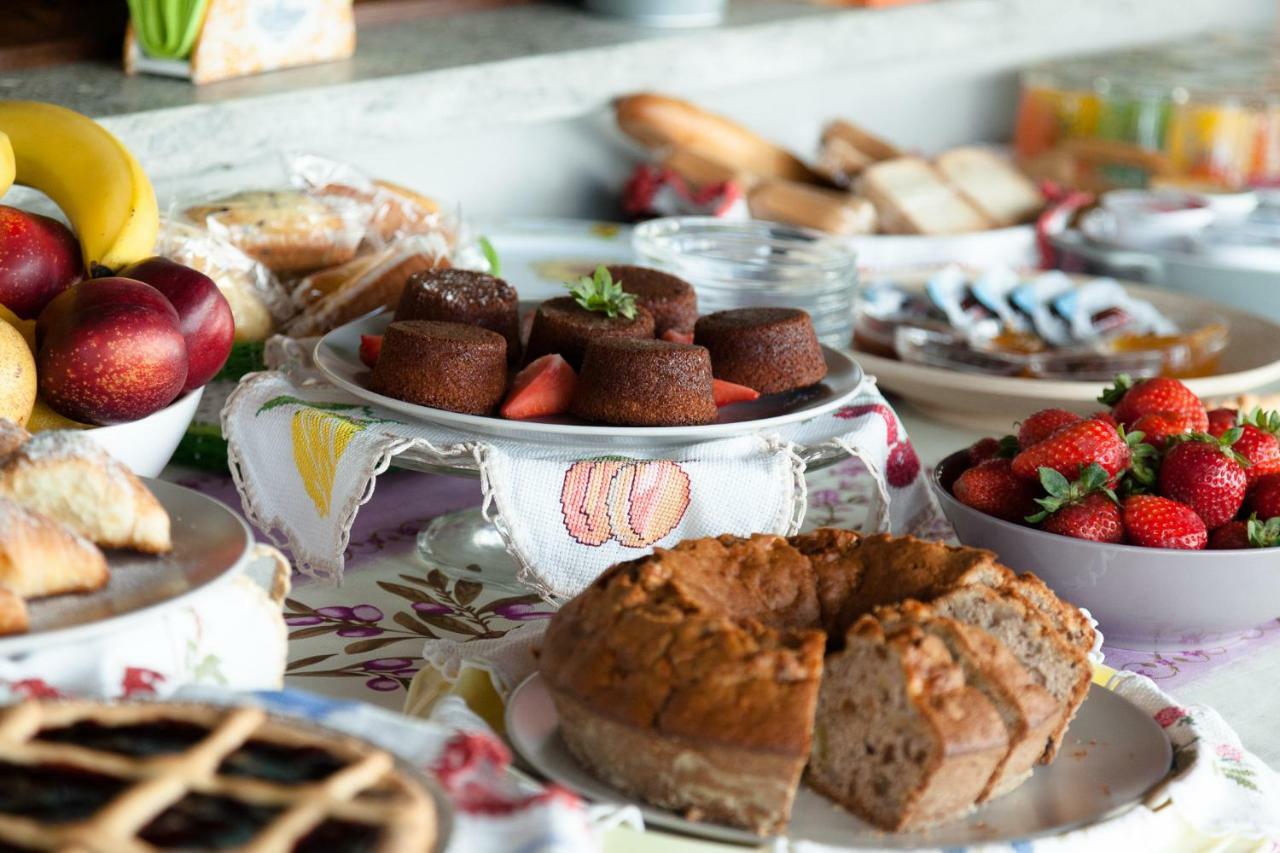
x,y
210,543
1112,757
337,355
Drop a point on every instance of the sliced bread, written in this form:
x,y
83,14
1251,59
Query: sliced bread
x,y
911,197
991,184
899,739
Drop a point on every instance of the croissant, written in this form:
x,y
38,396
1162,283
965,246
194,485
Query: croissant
x,y
65,475
39,556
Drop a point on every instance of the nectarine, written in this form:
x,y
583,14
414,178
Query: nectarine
x,y
39,258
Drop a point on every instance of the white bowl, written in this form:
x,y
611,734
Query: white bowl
x,y
1149,599
146,445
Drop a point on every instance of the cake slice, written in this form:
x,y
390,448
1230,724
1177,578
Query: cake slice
x,y
1064,616
1053,662
1029,713
899,739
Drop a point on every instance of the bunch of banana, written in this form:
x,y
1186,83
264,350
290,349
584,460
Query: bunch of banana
x,y
99,185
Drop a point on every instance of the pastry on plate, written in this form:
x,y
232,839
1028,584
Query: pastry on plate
x,y
66,476
448,366
287,230
148,776
12,437
39,556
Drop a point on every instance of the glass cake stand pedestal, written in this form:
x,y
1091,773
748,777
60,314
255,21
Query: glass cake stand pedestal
x,y
464,545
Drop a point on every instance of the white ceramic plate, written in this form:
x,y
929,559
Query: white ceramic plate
x,y
1113,755
978,401
210,544
337,355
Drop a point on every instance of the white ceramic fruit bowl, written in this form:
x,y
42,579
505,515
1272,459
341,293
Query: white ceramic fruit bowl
x,y
1143,598
146,445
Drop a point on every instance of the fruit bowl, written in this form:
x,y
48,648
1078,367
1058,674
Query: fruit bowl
x,y
146,445
1143,598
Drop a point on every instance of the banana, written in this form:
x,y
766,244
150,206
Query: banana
x,y
87,172
6,164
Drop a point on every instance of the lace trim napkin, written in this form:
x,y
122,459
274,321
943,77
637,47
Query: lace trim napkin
x,y
305,456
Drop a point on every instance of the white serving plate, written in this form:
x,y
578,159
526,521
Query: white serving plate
x,y
210,545
1149,599
1112,757
337,356
979,401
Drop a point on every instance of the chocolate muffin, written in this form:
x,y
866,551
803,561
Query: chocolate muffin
x,y
563,326
449,366
769,349
669,299
644,382
464,296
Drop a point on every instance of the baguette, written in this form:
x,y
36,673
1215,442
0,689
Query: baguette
x,y
812,207
992,185
660,122
910,197
701,171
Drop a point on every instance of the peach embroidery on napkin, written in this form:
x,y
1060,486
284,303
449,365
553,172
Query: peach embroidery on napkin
x,y
634,502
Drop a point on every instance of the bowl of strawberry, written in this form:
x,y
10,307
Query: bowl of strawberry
x,y
1158,515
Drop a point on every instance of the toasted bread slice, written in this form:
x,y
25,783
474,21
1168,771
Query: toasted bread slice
x,y
991,184
912,198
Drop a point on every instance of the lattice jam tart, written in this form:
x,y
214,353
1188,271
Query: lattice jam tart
x,y
80,776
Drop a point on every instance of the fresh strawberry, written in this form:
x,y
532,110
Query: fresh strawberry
x,y
1265,500
1246,534
1221,420
1155,522
1106,417
1259,443
1130,401
991,448
1158,427
544,387
1230,536
370,349
1043,424
993,488
677,337
1072,448
1097,518
727,392
1204,473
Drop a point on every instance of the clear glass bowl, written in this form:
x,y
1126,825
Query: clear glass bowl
x,y
754,263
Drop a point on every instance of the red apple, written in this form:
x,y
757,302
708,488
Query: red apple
x,y
39,258
110,350
203,314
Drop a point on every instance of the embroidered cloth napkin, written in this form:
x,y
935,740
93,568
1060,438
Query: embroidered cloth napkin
x,y
305,456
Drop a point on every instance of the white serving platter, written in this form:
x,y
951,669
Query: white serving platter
x,y
1112,757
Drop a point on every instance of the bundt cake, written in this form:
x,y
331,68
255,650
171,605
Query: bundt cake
x,y
644,382
449,366
563,326
670,299
769,349
695,678
464,296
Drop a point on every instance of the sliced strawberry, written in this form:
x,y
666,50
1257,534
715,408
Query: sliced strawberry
x,y
544,387
726,393
370,349
1156,522
1043,424
676,336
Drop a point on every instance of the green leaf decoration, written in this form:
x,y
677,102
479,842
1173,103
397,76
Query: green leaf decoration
x,y
491,256
1115,392
601,294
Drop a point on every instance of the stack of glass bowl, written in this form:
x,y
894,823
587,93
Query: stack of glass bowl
x,y
1210,105
756,264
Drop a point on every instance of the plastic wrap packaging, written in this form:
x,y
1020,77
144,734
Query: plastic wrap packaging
x,y
290,231
258,301
329,298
